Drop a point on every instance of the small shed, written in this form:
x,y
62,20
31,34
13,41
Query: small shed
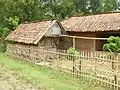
x,y
32,36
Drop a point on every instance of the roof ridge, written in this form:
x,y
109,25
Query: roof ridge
x,y
84,15
38,21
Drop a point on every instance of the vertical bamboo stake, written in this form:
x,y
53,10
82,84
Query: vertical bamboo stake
x,y
73,64
81,53
83,73
95,55
73,56
117,69
114,67
91,63
80,62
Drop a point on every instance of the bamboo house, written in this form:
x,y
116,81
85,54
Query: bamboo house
x,y
34,36
100,26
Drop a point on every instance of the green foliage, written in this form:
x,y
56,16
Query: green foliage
x,y
2,47
4,31
113,44
108,5
73,53
34,10
14,22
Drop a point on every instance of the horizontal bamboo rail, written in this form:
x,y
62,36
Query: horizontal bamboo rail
x,y
90,38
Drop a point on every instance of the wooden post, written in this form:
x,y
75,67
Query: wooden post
x,y
94,46
73,42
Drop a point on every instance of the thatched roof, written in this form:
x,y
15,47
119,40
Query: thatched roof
x,y
30,33
93,23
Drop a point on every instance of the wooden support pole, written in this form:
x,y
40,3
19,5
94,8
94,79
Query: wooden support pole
x,y
73,42
72,56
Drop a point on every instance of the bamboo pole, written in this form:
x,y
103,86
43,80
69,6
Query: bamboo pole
x,y
90,38
73,42
114,67
73,56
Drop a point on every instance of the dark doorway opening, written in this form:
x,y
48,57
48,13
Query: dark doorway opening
x,y
100,43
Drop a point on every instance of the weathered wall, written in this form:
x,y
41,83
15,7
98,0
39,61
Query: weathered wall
x,y
84,44
31,52
56,42
28,52
65,43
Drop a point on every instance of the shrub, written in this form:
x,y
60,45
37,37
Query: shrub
x,y
73,53
14,22
112,45
2,47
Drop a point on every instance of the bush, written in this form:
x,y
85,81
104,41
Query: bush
x,y
112,45
4,31
2,47
73,53
14,22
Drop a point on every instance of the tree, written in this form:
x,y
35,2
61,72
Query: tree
x,y
34,10
94,6
87,6
26,10
58,9
108,5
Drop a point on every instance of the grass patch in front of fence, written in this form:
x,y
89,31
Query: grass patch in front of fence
x,y
41,78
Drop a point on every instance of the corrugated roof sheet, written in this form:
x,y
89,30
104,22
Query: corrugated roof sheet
x,y
30,33
93,23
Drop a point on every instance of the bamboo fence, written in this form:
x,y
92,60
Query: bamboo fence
x,y
101,67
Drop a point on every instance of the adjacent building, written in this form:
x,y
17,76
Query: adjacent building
x,y
92,26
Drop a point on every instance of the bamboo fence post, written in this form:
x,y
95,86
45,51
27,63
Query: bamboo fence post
x,y
73,64
91,61
83,64
81,72
94,66
73,56
114,67
80,62
117,69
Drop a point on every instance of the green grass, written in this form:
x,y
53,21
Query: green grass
x,y
42,78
